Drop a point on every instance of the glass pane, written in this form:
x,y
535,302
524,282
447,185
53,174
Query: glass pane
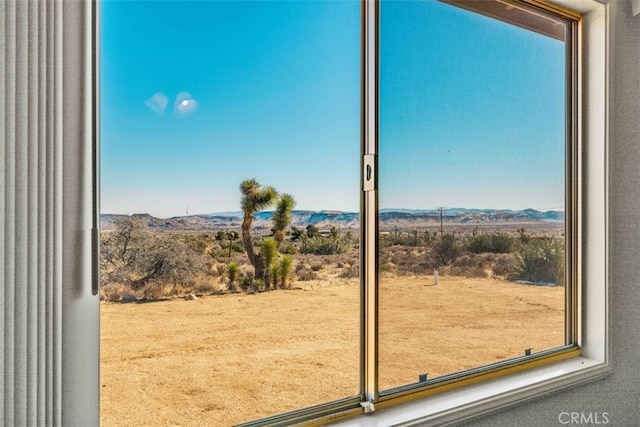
x,y
223,299
472,191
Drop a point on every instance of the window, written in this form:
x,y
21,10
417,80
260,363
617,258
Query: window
x,y
230,174
377,374
477,146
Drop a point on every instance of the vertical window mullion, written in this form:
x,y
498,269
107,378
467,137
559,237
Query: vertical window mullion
x,y
369,203
573,182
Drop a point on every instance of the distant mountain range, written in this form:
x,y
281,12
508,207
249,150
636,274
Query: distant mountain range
x,y
344,220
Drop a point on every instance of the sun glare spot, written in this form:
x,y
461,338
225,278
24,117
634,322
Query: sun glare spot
x,y
185,105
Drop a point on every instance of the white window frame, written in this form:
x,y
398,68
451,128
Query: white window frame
x,y
465,403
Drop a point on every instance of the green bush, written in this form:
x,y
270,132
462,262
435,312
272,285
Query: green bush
x,y
284,270
542,260
497,243
247,282
232,273
445,250
320,245
269,253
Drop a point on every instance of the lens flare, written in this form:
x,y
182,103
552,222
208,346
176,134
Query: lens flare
x,y
185,105
158,103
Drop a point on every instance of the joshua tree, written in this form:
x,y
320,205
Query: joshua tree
x,y
312,231
254,199
282,217
231,236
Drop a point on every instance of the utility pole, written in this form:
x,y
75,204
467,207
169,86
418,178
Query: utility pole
x,y
441,209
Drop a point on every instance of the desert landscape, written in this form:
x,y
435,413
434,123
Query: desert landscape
x,y
192,333
227,359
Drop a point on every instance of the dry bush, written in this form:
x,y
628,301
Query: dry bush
x,y
484,265
206,287
218,269
317,266
157,264
504,265
157,290
388,269
113,292
408,260
350,272
304,273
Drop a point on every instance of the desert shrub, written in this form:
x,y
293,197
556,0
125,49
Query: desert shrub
x,y
167,261
504,264
247,282
216,251
497,243
284,271
523,236
205,287
274,274
237,248
156,290
407,238
444,251
351,237
135,257
232,274
317,266
351,272
288,248
409,260
320,245
542,260
113,292
219,269
388,267
225,250
305,273
269,252
198,243
312,231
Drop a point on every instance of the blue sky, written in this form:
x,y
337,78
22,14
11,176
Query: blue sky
x,y
197,96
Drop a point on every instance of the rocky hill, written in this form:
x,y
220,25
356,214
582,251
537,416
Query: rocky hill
x,y
389,218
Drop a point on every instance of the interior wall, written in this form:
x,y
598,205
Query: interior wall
x,y
615,400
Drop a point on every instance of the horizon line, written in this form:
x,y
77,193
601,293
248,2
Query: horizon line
x,y
338,211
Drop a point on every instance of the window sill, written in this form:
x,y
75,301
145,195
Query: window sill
x,y
480,399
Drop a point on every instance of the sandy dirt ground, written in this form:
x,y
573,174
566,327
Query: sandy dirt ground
x,y
226,359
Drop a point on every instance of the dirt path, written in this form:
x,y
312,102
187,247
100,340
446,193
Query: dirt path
x,y
221,360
